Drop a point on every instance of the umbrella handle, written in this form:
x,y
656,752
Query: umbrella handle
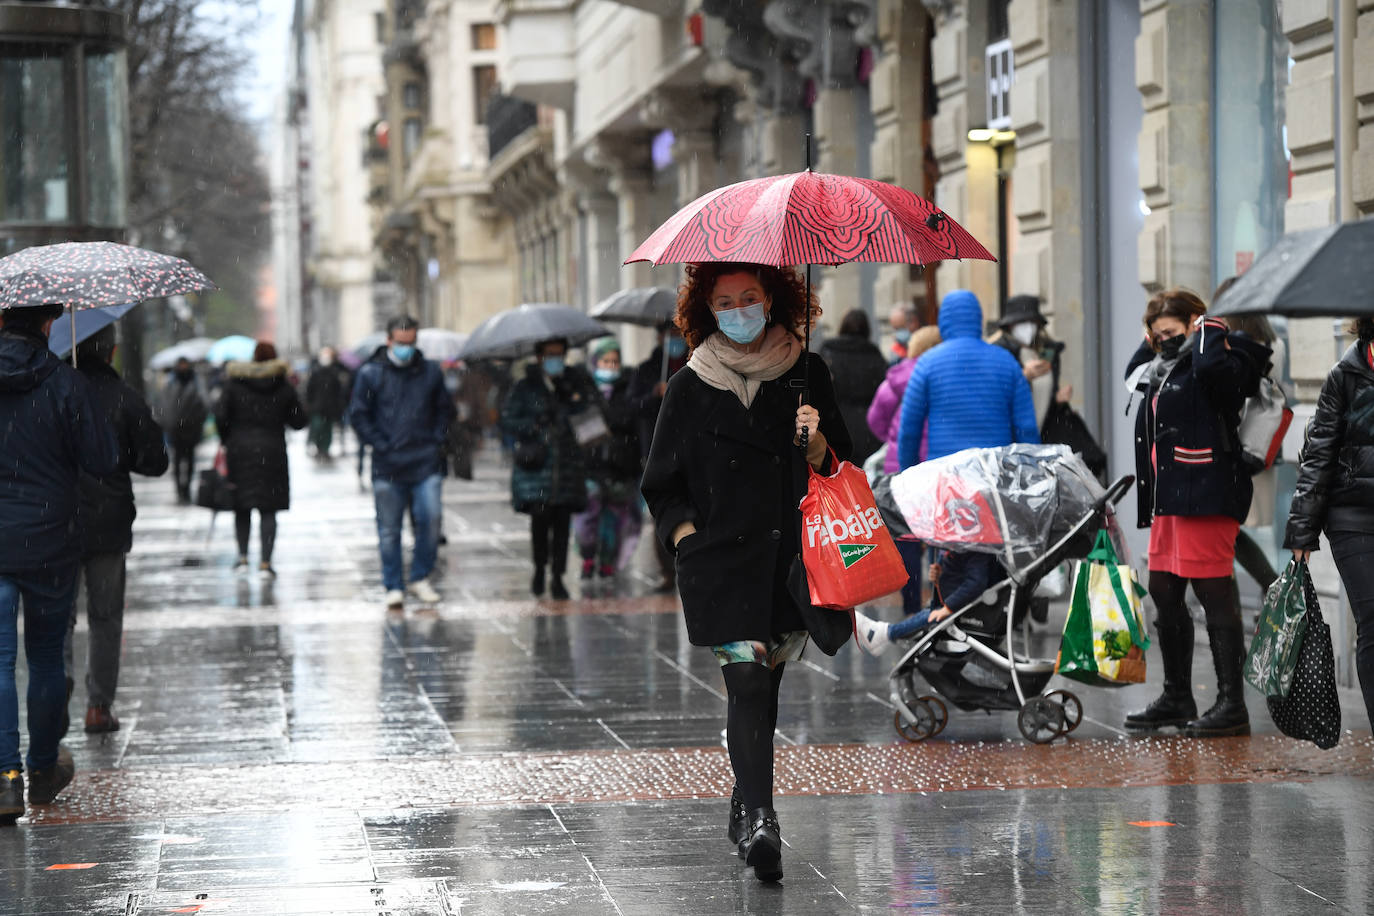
x,y
73,314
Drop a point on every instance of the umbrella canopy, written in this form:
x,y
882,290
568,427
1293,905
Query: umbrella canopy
x,y
1327,271
235,348
92,274
439,344
87,323
514,332
364,348
195,350
650,306
809,218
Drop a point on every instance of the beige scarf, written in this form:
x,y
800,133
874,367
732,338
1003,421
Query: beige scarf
x,y
721,366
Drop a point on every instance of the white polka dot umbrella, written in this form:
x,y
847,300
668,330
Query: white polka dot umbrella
x,y
91,274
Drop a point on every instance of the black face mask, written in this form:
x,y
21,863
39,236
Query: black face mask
x,y
1170,348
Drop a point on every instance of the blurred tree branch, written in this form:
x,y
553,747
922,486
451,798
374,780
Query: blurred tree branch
x,y
198,185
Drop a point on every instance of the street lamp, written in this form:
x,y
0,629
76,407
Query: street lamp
x,y
64,124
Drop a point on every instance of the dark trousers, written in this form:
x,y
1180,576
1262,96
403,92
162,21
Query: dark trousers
x,y
549,538
267,527
183,468
1354,556
102,579
913,555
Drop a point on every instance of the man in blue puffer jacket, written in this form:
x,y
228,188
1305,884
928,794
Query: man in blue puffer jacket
x,y
972,394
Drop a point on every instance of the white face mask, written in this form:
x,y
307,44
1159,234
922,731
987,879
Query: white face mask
x,y
1024,332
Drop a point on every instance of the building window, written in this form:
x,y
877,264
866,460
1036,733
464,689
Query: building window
x,y
410,138
410,95
379,23
483,37
483,88
999,25
1000,71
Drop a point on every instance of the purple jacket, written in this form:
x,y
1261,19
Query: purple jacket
x,y
885,413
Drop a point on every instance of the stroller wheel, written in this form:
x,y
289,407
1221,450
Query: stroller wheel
x,y
1041,720
924,726
1073,709
937,706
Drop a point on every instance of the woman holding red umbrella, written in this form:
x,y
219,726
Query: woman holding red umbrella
x,y
723,480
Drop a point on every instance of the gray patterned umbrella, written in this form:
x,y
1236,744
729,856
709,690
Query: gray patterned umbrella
x,y
90,274
650,306
1314,273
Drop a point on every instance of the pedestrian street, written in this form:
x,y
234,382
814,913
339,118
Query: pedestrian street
x,y
292,747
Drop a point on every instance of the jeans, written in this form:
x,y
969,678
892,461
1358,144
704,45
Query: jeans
x,y
103,577
48,595
392,498
1353,553
910,626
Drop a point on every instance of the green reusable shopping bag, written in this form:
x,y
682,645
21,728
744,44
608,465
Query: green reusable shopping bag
x,y
1104,638
1274,651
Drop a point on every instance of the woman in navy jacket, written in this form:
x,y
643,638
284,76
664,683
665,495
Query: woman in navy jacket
x,y
1193,492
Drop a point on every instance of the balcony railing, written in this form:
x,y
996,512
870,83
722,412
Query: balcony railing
x,y
508,118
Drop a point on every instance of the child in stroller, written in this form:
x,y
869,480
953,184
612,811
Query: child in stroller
x,y
959,578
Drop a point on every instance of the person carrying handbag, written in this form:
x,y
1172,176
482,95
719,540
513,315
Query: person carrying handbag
x,y
548,481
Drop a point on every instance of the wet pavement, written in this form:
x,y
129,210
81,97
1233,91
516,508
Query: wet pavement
x,y
291,747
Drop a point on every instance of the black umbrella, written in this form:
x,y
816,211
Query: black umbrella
x,y
514,332
1314,273
650,306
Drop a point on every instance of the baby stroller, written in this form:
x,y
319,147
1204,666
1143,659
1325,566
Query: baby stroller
x,y
1034,506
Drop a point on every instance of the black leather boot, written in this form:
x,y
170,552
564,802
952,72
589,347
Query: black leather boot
x,y
739,816
762,845
1228,716
537,583
1175,707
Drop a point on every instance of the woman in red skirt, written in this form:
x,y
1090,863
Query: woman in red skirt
x,y
1193,493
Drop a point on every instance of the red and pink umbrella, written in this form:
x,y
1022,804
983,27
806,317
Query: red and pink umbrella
x,y
809,218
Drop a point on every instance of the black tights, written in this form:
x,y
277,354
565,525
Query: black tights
x,y
751,719
549,534
267,527
1218,597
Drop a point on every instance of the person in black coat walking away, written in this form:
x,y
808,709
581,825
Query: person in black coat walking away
x,y
723,481
105,517
50,430
549,480
181,413
608,529
1335,490
1193,492
255,408
326,399
858,369
647,387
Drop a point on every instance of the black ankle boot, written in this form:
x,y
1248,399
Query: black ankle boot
x,y
1228,715
762,845
739,817
1175,707
537,583
557,590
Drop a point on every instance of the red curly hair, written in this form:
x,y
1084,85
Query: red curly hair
x,y
783,286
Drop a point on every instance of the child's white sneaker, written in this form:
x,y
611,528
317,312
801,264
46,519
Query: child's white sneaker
x,y
871,634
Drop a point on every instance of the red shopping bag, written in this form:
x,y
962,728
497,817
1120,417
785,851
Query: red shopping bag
x,y
847,550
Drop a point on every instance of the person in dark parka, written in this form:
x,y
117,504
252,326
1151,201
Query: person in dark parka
x,y
182,412
858,369
326,399
647,387
105,517
254,410
1335,490
1193,492
723,480
549,480
50,430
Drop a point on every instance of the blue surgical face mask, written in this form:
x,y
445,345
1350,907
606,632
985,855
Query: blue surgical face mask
x,y
903,335
402,353
607,376
677,347
553,365
744,324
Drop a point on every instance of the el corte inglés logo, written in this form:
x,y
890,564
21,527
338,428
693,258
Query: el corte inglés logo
x,y
853,553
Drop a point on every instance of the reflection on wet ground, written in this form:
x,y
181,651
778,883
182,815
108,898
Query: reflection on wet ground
x,y
290,747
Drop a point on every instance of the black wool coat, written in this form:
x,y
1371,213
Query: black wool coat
x,y
254,410
858,368
734,472
1335,489
1190,420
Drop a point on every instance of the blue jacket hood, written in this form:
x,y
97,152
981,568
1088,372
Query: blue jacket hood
x,y
961,316
24,362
